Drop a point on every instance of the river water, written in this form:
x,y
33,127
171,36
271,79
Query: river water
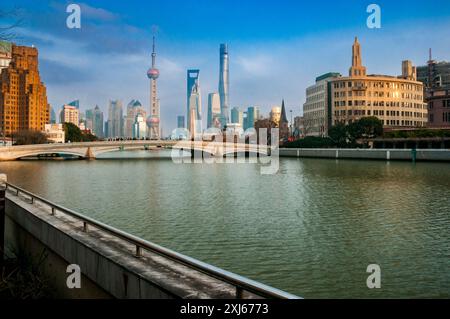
x,y
311,229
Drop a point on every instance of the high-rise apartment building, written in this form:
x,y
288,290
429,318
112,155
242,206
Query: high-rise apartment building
x,y
214,112
70,114
23,97
224,83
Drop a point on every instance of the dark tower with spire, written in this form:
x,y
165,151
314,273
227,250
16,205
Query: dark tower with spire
x,y
284,124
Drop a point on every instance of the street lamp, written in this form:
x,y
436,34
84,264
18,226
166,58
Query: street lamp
x,y
292,131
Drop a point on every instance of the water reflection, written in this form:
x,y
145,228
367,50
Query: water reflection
x,y
311,229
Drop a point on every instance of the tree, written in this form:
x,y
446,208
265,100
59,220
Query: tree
x,y
369,127
339,134
27,137
14,19
74,134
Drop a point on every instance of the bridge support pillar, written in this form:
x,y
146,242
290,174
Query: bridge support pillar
x,y
89,154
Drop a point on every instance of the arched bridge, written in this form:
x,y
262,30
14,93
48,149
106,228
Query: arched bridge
x,y
90,150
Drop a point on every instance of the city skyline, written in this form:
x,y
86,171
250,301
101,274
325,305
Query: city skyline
x,y
267,64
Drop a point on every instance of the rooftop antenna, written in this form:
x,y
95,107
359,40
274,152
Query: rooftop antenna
x,y
430,71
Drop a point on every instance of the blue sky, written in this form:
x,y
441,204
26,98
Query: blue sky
x,y
277,48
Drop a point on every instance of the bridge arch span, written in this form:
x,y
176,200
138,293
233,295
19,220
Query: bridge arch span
x,y
48,152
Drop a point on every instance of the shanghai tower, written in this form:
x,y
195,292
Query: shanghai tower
x,y
224,84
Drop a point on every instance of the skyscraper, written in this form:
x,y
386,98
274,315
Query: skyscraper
x,y
252,116
139,127
23,97
224,83
153,121
98,122
90,120
237,116
180,121
194,105
52,116
214,111
133,108
115,119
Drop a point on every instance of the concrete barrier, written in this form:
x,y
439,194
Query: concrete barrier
x,y
108,265
369,154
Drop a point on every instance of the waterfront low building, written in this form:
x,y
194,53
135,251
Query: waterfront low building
x,y
439,107
396,101
316,110
55,133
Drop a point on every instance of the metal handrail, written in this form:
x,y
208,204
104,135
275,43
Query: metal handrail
x,y
240,283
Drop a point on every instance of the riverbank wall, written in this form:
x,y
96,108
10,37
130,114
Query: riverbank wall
x,y
436,155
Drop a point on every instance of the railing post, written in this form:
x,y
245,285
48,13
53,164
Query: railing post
x,y
3,180
239,293
53,211
138,251
85,227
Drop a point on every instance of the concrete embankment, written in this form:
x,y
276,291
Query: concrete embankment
x,y
109,266
370,154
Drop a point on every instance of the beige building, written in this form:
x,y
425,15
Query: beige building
x,y
5,54
55,133
70,114
316,113
275,114
396,101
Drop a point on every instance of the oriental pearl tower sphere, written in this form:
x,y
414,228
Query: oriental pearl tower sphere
x,y
153,120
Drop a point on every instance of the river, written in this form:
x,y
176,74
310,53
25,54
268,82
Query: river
x,y
311,229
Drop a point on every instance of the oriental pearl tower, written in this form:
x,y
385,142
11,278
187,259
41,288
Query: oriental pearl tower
x,y
153,120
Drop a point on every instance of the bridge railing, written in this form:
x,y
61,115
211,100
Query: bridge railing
x,y
241,284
